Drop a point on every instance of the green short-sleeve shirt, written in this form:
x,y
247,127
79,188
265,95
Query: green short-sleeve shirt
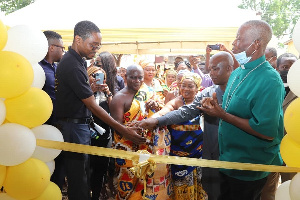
x,y
258,98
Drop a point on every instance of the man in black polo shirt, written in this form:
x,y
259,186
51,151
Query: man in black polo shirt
x,y
76,103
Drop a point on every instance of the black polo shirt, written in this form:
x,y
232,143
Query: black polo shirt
x,y
71,86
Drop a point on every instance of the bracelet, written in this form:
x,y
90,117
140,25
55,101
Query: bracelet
x,y
110,95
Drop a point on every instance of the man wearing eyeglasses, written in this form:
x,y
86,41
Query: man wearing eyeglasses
x,y
76,103
54,54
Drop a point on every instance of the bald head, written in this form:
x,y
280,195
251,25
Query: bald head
x,y
132,68
221,66
134,78
259,30
222,58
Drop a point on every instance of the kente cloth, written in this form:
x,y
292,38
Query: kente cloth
x,y
148,92
174,86
187,140
157,142
129,186
158,185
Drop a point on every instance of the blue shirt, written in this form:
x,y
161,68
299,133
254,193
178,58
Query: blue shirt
x,y
50,70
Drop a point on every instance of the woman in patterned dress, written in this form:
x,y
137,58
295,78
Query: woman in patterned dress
x,y
186,140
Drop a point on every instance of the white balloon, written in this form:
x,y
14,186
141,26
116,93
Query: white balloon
x,y
282,192
4,196
296,36
51,166
294,187
17,144
2,111
39,76
46,132
27,41
293,78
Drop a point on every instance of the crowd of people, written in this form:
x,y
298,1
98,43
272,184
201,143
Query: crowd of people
x,y
230,110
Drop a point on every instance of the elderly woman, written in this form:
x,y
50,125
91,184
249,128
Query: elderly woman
x,y
175,86
170,77
186,140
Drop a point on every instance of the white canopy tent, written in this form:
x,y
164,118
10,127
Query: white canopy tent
x,y
141,27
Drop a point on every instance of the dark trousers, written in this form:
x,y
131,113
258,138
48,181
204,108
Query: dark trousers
x,y
76,164
99,167
235,189
211,182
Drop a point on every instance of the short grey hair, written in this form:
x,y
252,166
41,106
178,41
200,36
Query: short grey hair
x,y
259,30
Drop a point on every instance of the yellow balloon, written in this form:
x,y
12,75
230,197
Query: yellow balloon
x,y
291,120
6,121
290,151
52,192
27,180
2,174
31,109
3,35
16,74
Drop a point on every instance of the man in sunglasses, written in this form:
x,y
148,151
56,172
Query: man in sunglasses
x,y
76,103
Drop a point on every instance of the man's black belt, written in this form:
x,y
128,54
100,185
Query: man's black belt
x,y
78,120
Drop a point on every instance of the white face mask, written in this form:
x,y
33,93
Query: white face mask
x,y
242,57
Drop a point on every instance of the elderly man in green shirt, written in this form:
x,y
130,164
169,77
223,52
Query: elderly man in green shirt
x,y
251,126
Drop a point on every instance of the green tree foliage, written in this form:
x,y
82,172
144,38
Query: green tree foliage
x,y
9,6
282,15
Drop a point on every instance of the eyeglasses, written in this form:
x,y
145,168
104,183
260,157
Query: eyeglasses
x,y
62,48
96,47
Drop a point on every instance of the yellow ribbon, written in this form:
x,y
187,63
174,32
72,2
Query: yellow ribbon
x,y
134,156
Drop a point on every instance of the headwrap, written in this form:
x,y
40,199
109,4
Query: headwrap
x,y
171,71
145,63
93,69
194,77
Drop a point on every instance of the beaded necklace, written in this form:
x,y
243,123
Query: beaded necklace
x,y
229,97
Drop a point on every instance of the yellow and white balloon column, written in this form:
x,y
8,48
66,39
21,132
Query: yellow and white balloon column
x,y
290,144
24,107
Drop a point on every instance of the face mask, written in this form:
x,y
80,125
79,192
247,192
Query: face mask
x,y
283,75
242,57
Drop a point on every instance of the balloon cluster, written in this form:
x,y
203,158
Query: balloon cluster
x,y
290,144
25,168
